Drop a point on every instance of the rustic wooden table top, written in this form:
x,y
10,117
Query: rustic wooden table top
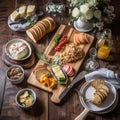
x,y
44,109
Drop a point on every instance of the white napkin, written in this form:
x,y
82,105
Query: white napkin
x,y
105,73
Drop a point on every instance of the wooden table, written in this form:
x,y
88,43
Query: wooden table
x,y
44,109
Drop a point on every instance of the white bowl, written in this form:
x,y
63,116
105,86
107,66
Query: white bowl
x,y
16,80
8,44
17,98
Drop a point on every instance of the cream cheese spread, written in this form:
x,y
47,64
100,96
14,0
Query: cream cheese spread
x,y
18,50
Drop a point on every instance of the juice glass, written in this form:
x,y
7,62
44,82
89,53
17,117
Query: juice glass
x,y
103,52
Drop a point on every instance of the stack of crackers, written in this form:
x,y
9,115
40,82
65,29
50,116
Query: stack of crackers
x,y
41,28
102,91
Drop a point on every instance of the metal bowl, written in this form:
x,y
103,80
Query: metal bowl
x,y
15,78
20,93
18,40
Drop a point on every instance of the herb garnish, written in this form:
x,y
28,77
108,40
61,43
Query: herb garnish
x,y
32,23
41,56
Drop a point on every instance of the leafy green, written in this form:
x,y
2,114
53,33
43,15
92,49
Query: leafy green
x,y
41,56
61,79
31,22
56,40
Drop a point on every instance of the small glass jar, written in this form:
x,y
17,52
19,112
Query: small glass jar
x,y
104,44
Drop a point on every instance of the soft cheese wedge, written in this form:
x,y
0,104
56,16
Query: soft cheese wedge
x,y
22,10
61,78
30,10
15,16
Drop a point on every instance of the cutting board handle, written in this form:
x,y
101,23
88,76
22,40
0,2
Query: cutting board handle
x,y
56,93
82,115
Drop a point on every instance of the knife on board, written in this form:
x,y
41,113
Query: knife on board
x,y
79,77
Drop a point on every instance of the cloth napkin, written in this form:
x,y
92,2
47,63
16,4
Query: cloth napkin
x,y
106,74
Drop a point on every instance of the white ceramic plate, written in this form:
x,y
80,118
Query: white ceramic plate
x,y
81,29
87,91
109,109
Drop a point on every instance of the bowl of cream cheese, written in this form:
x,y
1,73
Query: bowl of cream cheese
x,y
18,49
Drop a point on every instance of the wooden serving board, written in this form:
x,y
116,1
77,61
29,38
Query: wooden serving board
x,y
63,29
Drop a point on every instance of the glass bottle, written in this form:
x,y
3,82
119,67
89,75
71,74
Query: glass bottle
x,y
104,44
91,64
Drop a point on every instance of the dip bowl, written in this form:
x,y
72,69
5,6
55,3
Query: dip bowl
x,y
25,98
18,49
15,74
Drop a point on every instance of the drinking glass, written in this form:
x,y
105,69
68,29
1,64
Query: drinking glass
x,y
91,64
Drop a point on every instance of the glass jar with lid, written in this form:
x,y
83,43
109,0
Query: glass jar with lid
x,y
104,44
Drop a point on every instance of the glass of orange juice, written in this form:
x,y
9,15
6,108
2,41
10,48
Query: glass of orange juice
x,y
103,52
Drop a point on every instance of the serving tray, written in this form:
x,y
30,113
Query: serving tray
x,y
69,31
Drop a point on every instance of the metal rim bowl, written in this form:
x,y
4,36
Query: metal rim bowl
x,y
17,40
20,92
87,90
16,81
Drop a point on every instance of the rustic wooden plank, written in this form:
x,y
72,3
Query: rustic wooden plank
x,y
45,109
2,86
56,92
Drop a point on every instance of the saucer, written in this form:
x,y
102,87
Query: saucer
x,y
80,28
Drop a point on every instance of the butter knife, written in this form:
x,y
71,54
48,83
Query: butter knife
x,y
79,77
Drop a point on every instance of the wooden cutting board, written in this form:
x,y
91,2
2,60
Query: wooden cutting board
x,y
63,29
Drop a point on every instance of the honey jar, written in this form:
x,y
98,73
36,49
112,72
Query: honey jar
x,y
104,44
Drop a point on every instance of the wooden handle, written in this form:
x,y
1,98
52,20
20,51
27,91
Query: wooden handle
x,y
82,115
56,93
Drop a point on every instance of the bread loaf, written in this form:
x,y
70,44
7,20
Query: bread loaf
x,y
41,28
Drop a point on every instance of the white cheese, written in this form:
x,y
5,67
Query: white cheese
x,y
18,50
15,16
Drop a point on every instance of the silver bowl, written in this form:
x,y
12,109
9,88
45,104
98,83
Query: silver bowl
x,y
25,56
21,92
17,77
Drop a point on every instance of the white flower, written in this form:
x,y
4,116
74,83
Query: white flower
x,y
74,2
92,2
111,8
97,14
89,14
75,12
84,8
89,11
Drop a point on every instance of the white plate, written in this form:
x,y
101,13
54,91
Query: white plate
x,y
81,29
109,109
87,91
18,26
